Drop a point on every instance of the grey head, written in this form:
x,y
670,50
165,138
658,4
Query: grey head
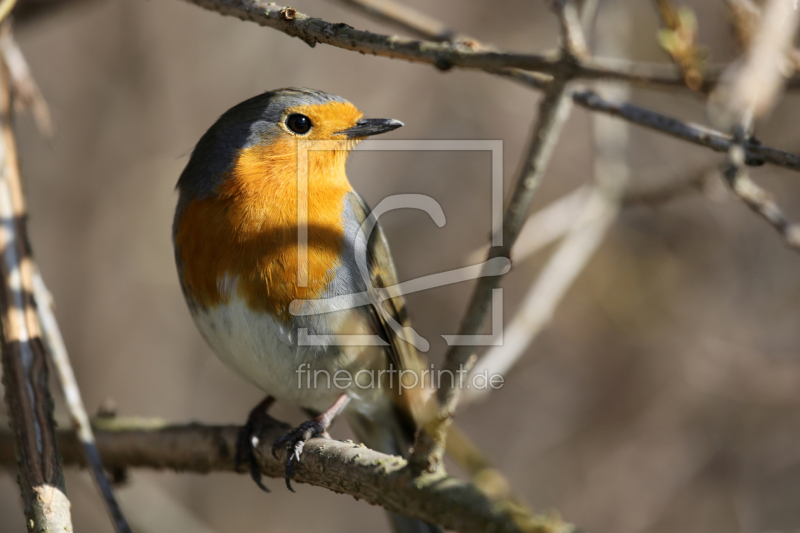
x,y
240,127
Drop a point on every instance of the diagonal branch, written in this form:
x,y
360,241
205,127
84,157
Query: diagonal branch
x,y
755,153
749,90
758,199
338,466
460,358
406,18
30,407
72,394
573,41
553,112
420,24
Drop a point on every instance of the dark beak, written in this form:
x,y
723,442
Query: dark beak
x,y
370,126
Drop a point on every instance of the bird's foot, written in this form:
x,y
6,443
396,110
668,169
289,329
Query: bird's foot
x,y
249,438
295,440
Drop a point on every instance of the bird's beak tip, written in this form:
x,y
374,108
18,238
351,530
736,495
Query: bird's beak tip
x,y
371,126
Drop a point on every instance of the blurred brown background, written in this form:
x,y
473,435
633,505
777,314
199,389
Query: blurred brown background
x,y
665,394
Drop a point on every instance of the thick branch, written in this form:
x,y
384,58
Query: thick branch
x,y
443,55
72,394
338,466
24,358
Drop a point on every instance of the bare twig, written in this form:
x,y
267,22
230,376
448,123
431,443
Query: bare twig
x,y
587,230
460,357
26,91
406,18
72,394
749,87
756,198
444,55
573,42
755,153
749,90
693,133
339,466
546,225
550,223
542,299
553,112
24,359
746,18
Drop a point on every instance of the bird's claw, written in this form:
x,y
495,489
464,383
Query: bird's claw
x,y
294,442
247,453
248,440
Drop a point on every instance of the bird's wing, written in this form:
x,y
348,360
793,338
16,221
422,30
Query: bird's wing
x,y
382,276
402,354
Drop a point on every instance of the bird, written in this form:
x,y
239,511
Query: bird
x,y
253,272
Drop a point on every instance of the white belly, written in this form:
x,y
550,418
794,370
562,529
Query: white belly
x,y
264,353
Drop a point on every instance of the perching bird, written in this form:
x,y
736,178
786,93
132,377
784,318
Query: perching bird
x,y
240,247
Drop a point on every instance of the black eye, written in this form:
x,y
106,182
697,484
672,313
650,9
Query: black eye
x,y
298,123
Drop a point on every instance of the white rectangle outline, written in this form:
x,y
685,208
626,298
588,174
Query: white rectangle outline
x,y
495,147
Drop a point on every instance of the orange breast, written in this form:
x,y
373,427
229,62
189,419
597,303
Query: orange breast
x,y
249,231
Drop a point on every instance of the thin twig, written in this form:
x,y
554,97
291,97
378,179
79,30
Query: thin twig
x,y
756,198
416,23
339,466
741,98
573,41
757,154
550,223
588,228
72,394
749,88
542,299
553,112
25,89
24,358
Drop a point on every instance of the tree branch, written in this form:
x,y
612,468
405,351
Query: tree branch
x,y
750,89
24,358
342,467
756,154
573,42
421,24
756,198
553,112
416,23
443,55
72,395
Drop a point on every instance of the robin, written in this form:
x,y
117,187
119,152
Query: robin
x,y
245,251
